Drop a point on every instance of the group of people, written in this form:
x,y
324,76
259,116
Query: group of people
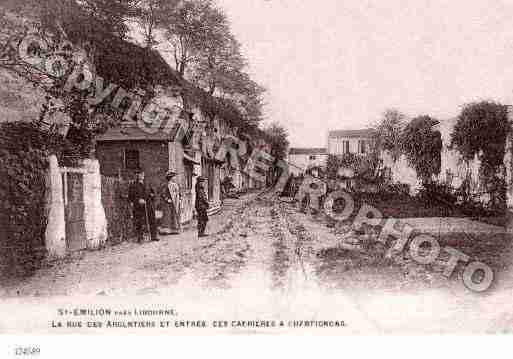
x,y
142,199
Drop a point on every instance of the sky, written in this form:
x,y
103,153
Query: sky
x,y
338,64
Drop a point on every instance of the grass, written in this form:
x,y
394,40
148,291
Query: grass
x,y
405,206
492,249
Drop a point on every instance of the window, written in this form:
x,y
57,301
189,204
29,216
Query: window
x,y
131,159
312,158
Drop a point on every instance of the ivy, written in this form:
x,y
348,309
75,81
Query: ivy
x,y
388,132
24,149
481,130
363,166
422,147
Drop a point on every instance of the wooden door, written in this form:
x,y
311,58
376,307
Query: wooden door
x,y
74,211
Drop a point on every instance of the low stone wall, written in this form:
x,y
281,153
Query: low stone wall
x,y
453,168
401,171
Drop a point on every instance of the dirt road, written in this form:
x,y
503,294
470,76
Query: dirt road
x,y
265,258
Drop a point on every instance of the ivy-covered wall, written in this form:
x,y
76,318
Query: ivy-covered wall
x,y
454,169
401,171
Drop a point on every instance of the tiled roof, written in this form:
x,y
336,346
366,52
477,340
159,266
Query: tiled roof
x,y
307,151
133,132
368,132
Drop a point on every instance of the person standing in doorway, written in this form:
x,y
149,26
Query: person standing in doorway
x,y
141,198
170,195
201,206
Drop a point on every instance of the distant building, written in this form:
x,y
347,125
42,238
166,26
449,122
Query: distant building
x,y
300,159
350,141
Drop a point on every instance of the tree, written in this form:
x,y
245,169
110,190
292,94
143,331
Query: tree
x,y
422,147
205,51
34,64
277,136
57,23
249,97
388,132
481,130
188,28
57,26
150,16
89,19
220,64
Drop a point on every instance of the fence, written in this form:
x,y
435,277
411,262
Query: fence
x,y
117,209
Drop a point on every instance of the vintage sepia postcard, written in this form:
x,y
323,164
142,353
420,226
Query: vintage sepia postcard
x,y
219,167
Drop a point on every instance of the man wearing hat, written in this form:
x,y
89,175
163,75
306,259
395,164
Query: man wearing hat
x,y
141,197
201,206
171,198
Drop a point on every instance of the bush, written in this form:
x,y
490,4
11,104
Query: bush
x,y
471,205
363,166
397,189
24,150
422,147
388,132
436,193
481,130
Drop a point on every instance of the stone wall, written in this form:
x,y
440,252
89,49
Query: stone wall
x,y
453,168
401,171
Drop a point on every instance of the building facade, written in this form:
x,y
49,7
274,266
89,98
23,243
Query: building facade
x,y
300,159
341,142
187,129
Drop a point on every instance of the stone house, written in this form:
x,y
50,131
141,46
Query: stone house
x,y
187,138
300,159
122,150
350,141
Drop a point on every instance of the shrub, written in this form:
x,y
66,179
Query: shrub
x,y
388,132
422,147
363,166
396,189
24,150
481,130
437,193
